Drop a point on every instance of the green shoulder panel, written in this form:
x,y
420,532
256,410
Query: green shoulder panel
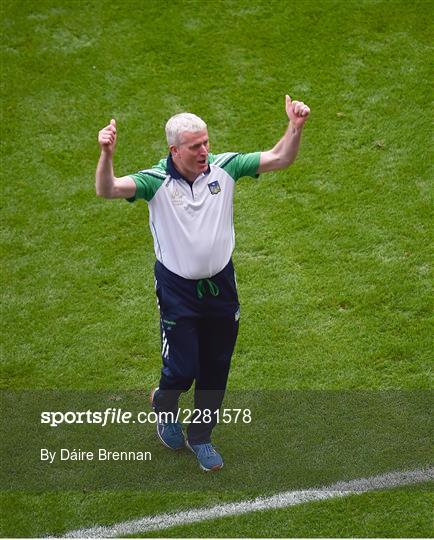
x,y
238,165
148,181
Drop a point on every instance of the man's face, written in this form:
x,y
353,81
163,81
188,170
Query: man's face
x,y
191,155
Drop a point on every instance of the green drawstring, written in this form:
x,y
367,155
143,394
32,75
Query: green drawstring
x,y
213,287
201,290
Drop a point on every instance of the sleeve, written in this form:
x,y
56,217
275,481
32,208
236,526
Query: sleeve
x,y
148,181
239,165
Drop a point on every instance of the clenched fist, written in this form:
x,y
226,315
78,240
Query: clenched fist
x,y
297,112
107,137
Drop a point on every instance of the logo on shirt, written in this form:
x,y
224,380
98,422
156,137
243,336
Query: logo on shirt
x,y
177,197
214,187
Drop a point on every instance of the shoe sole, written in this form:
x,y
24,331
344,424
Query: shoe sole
x,y
213,469
151,397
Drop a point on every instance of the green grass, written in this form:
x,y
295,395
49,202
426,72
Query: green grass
x,y
55,513
394,514
403,513
332,255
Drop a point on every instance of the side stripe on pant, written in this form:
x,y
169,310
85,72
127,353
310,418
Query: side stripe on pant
x,y
165,345
164,342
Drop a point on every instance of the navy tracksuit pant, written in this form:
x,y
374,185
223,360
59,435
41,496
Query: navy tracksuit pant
x,y
199,327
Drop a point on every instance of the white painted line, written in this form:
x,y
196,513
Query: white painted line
x,y
280,500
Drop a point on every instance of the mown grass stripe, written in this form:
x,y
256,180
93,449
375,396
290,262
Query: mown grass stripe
x,y
280,500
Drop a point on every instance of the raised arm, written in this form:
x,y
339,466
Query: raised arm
x,y
285,151
106,184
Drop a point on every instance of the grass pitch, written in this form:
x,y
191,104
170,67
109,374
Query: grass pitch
x,y
332,255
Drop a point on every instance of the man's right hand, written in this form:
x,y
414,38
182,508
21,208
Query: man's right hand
x,y
107,137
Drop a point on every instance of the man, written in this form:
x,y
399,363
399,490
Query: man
x,y
190,198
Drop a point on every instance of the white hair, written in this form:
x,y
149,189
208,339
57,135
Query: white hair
x,y
182,122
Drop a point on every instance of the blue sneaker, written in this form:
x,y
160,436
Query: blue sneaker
x,y
169,433
207,456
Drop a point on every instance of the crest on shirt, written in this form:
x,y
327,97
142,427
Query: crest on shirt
x,y
214,187
177,197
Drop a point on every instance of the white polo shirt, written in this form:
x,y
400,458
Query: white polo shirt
x,y
192,223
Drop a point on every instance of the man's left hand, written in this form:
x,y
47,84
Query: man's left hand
x,y
297,111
